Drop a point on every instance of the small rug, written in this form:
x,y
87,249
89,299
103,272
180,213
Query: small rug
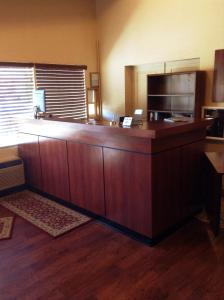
x,y
48,215
6,224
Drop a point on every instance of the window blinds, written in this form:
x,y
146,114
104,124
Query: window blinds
x,y
16,96
65,90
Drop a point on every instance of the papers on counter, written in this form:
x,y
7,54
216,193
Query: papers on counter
x,y
177,119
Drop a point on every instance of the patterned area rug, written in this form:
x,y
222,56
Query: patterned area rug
x,y
48,215
6,224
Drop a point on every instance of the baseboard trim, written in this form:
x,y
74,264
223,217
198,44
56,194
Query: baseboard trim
x,y
12,190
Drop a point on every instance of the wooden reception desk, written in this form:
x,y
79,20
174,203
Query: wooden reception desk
x,y
146,179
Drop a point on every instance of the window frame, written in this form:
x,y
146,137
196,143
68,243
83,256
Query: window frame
x,y
56,66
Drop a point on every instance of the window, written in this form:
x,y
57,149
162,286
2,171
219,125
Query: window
x,y
91,96
64,90
16,96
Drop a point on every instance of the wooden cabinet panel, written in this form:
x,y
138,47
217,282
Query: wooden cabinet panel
x,y
218,81
166,190
127,189
54,165
177,185
86,176
29,151
192,168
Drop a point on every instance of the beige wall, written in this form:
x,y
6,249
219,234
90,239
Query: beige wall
x,y
133,32
48,31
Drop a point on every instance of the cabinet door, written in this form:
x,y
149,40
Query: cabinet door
x,y
127,189
86,176
29,151
193,168
166,190
54,165
218,81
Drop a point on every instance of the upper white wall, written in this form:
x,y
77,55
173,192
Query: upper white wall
x,y
133,32
48,31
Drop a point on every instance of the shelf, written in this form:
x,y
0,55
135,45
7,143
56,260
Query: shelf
x,y
171,95
163,111
172,111
177,93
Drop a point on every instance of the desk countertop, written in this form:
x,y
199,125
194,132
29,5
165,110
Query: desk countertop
x,y
217,161
152,130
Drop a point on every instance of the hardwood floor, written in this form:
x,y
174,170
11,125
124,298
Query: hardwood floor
x,y
95,262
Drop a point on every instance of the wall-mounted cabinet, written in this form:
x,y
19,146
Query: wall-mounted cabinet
x,y
174,93
218,81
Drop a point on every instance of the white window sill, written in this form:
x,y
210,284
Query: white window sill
x,y
10,141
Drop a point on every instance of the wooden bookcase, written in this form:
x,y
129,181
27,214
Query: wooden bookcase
x,y
175,93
